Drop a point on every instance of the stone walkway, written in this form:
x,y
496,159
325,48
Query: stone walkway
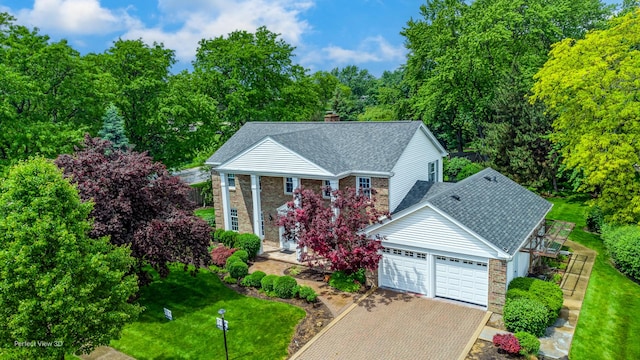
x,y
106,353
557,341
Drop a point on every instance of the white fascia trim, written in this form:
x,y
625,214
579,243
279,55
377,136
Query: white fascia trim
x,y
364,173
267,138
526,238
433,139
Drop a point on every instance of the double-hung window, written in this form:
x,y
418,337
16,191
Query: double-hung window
x,y
231,181
234,219
288,185
433,171
364,185
326,189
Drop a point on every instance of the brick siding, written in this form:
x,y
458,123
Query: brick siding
x,y
497,284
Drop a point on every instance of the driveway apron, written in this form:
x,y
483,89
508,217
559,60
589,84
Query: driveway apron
x,y
391,325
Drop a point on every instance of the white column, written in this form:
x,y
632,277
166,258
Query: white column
x,y
334,184
226,212
296,203
257,207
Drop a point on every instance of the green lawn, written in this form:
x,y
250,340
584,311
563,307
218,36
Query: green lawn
x,y
609,324
258,329
206,213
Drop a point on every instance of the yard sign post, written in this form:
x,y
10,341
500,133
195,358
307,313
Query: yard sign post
x,y
222,325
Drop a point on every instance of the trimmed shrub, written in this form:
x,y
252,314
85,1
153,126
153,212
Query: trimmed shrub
x,y
217,235
525,315
231,260
249,243
268,281
230,280
594,219
529,344
307,293
507,343
347,283
242,254
623,244
254,279
523,283
220,255
228,238
550,295
516,293
238,269
284,286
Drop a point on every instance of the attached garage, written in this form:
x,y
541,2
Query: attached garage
x,y
406,270
463,280
460,241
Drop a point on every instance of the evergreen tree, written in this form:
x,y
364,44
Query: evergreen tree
x,y
113,128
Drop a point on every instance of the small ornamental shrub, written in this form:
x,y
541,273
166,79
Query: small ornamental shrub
x,y
228,238
230,280
217,235
594,219
525,315
242,254
507,343
267,282
232,259
623,244
347,283
284,286
307,293
238,269
523,283
550,295
517,293
254,279
529,344
249,243
220,255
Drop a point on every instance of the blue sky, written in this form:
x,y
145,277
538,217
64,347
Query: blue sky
x,y
326,33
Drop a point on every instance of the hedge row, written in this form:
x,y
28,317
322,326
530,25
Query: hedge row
x,y
231,239
532,305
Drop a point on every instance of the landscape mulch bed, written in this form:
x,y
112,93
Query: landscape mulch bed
x,y
318,316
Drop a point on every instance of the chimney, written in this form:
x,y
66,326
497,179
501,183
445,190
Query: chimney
x,y
331,116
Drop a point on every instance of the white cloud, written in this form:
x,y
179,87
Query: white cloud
x,y
198,19
372,49
85,17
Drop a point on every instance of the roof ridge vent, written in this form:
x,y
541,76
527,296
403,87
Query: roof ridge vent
x,y
456,197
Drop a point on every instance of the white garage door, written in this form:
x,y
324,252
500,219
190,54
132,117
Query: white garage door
x,y
404,270
463,280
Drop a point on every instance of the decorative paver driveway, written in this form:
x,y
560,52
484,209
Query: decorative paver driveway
x,y
391,325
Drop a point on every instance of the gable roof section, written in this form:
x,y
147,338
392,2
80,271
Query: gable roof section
x,y
488,203
269,155
494,207
337,147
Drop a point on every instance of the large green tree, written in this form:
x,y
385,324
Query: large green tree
x,y
60,291
138,77
48,97
591,85
465,59
252,77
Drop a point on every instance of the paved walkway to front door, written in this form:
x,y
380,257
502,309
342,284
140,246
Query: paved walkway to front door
x,y
392,325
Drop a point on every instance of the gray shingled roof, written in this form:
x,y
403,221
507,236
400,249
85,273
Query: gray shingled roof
x,y
490,204
421,191
335,146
